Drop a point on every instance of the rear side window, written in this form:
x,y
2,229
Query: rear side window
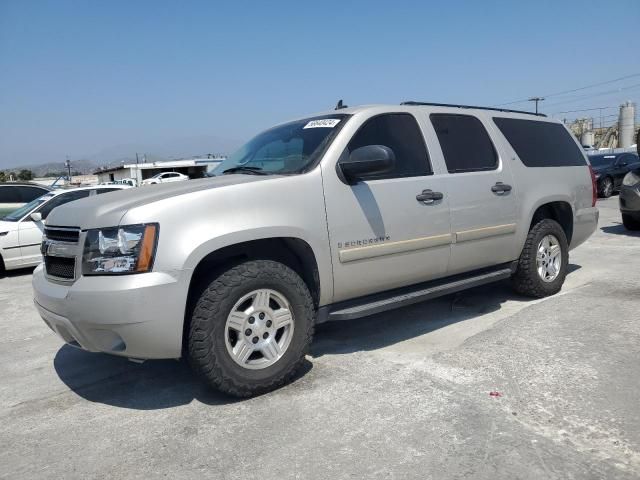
x,y
399,132
465,143
541,144
10,194
105,190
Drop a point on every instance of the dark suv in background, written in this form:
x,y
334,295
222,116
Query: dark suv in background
x,y
610,169
630,196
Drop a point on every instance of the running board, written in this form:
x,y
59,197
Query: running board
x,y
382,302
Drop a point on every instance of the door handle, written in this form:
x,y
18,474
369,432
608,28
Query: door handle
x,y
429,196
499,188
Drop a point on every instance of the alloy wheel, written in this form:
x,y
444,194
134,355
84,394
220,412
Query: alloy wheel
x,y
549,258
259,329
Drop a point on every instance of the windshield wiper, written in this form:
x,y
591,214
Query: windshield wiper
x,y
242,169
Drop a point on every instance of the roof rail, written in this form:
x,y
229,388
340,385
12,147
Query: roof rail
x,y
472,106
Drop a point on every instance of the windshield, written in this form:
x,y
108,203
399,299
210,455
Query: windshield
x,y
32,205
601,160
288,148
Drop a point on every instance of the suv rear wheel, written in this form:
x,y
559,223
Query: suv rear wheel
x,y
251,328
542,266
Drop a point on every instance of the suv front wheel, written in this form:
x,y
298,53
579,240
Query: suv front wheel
x,y
251,328
543,263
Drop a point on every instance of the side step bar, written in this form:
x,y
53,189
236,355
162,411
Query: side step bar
x,y
382,302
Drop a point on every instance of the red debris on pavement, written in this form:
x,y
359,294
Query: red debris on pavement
x,y
495,394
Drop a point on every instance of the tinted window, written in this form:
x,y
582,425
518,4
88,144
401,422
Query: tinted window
x,y
399,132
541,144
465,143
105,190
30,193
10,194
601,160
61,200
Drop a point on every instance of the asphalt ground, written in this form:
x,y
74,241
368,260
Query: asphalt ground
x,y
405,394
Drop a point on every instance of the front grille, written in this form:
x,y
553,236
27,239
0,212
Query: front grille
x,y
66,234
60,267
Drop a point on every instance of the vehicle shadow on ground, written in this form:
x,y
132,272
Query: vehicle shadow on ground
x,y
153,385
16,273
385,329
619,229
160,384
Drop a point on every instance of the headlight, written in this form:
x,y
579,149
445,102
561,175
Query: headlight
x,y
631,179
120,250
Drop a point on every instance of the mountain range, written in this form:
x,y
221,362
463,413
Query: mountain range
x,y
187,147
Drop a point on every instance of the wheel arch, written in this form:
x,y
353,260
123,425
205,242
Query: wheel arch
x,y
294,252
559,210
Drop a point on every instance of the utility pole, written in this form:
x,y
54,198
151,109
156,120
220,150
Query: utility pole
x,y
67,163
536,99
136,158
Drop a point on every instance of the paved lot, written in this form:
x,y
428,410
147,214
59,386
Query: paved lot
x,y
400,395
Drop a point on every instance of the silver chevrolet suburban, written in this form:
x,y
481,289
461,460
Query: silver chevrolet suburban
x,y
337,216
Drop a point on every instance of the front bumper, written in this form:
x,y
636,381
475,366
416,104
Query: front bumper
x,y
630,200
137,316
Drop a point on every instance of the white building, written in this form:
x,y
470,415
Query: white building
x,y
193,167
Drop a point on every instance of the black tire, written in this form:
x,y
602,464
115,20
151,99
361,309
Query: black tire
x,y
526,280
630,223
207,350
605,187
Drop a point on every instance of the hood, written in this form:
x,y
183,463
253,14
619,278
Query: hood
x,y
108,209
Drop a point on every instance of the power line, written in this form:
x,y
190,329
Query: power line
x,y
583,110
571,91
599,94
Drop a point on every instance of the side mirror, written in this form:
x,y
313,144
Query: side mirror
x,y
367,160
36,217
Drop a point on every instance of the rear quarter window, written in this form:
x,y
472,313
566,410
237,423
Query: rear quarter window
x,y
541,144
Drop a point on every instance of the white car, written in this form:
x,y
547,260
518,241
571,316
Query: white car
x,y
21,230
165,177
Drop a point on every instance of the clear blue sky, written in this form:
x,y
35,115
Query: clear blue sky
x,y
81,77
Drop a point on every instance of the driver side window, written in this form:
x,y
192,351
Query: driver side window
x,y
401,133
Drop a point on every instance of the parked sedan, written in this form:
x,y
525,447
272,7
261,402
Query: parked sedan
x,y
165,177
610,169
21,230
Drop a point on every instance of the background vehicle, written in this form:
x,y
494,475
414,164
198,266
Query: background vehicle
x,y
610,169
630,197
333,217
165,177
21,230
14,195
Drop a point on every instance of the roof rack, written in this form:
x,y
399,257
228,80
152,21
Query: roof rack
x,y
472,106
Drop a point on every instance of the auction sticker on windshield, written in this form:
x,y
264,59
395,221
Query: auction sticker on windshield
x,y
324,123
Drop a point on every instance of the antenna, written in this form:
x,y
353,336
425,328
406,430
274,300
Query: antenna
x,y
340,105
